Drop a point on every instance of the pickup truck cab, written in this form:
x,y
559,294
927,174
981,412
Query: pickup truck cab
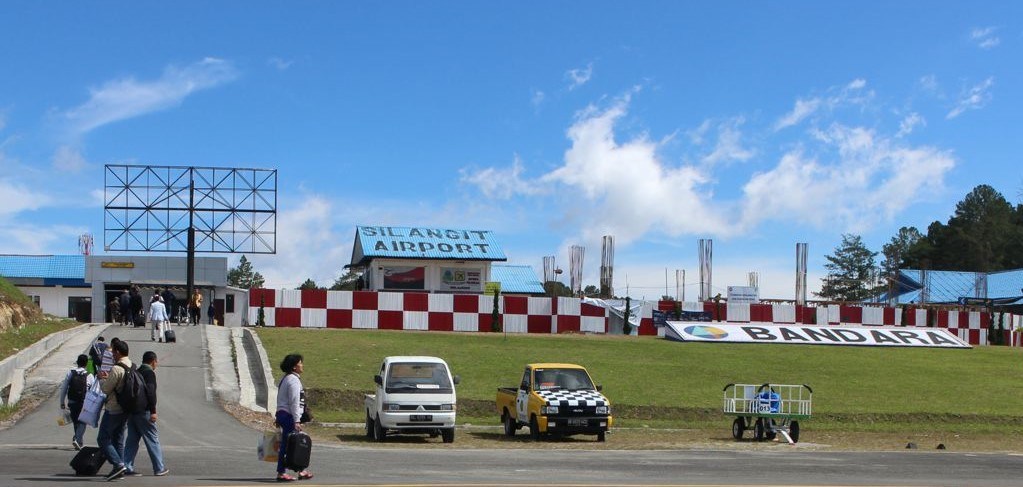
x,y
555,399
414,394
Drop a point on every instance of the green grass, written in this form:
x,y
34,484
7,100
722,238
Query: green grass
x,y
11,293
15,339
660,383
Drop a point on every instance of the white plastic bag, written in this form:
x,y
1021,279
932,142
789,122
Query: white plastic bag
x,y
64,418
93,405
269,446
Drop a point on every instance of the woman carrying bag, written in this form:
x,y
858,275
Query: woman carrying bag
x,y
290,412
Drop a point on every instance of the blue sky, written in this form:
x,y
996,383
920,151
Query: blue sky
x,y
755,124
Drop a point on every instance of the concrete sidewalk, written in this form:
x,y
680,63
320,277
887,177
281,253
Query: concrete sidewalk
x,y
44,377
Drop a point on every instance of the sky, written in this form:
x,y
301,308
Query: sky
x,y
755,124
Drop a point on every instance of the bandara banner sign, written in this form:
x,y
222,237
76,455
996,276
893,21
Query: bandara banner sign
x,y
863,336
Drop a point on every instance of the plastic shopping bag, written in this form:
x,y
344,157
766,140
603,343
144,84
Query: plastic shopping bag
x,y
64,418
269,446
93,405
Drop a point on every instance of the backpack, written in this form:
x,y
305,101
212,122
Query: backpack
x,y
76,389
132,394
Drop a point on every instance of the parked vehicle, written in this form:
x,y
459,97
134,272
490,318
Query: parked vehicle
x,y
555,399
414,395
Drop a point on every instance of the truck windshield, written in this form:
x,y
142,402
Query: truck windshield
x,y
418,377
568,379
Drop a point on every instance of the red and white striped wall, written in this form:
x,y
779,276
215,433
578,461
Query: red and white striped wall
x,y
312,308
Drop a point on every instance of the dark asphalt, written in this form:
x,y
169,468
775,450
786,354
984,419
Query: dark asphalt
x,y
205,446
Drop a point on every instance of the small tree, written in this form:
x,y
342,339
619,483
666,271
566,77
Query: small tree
x,y
850,270
350,281
627,327
244,276
261,314
495,315
308,284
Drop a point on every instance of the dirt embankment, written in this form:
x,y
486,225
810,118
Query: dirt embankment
x,y
16,315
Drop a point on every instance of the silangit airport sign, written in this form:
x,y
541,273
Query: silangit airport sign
x,y
731,332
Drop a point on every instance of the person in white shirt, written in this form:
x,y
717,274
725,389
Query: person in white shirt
x,y
290,406
72,396
158,317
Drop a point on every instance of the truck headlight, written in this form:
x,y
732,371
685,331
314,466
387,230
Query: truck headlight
x,y
549,410
390,406
603,410
447,407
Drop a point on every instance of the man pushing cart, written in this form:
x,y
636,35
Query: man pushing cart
x,y
767,409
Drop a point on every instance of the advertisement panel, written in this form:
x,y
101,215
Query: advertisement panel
x,y
743,295
461,279
404,277
724,332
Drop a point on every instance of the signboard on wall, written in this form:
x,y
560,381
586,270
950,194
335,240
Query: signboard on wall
x,y
491,288
404,277
743,295
461,279
812,335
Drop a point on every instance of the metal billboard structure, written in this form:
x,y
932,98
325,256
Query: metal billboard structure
x,y
189,209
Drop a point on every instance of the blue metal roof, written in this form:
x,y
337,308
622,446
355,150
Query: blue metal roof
x,y
950,286
424,243
516,279
43,266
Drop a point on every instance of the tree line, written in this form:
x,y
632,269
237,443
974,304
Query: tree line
x,y
984,234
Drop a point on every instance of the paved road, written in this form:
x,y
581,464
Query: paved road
x,y
205,446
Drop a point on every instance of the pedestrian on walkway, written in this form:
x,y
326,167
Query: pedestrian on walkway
x,y
114,308
142,424
158,317
124,304
210,311
111,428
136,306
170,304
195,307
290,405
72,396
102,357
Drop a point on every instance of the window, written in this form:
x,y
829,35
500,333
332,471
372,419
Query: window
x,y
35,299
229,303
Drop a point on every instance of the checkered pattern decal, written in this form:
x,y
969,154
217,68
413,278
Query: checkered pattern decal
x,y
562,397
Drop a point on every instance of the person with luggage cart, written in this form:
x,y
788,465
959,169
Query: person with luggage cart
x,y
291,413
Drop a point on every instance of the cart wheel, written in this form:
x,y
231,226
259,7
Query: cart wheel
x,y
758,430
794,431
738,426
771,433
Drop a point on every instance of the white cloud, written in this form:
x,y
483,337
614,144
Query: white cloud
x,y
126,98
984,37
537,99
307,246
16,198
579,76
866,178
975,98
279,63
909,123
856,84
729,145
32,239
929,84
624,189
502,183
802,110
68,160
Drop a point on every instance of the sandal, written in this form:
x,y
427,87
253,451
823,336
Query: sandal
x,y
304,475
283,477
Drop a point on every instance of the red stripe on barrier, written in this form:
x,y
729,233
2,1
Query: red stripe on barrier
x,y
568,324
592,310
267,295
366,300
467,303
287,317
441,321
539,324
416,302
850,314
339,318
314,298
390,320
646,327
516,305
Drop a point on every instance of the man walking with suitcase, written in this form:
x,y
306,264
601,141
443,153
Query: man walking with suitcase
x,y
158,317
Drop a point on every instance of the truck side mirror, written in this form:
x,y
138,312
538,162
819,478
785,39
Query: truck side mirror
x,y
600,388
379,380
457,379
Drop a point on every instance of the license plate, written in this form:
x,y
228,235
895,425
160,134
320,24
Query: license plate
x,y
421,417
577,422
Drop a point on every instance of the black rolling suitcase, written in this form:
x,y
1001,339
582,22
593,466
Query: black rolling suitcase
x,y
300,447
88,461
140,321
169,336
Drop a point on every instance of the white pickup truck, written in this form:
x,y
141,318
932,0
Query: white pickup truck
x,y
414,395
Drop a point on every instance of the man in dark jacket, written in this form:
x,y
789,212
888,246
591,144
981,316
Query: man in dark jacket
x,y
168,301
124,304
142,424
136,306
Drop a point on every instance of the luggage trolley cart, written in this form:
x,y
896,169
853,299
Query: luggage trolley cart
x,y
767,409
